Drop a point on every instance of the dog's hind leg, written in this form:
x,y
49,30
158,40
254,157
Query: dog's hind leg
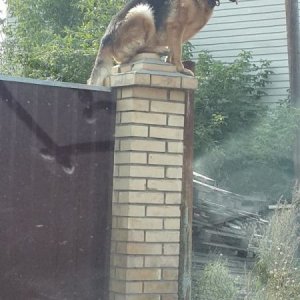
x,y
160,50
123,40
103,64
135,34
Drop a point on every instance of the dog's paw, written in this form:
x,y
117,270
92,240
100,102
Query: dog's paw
x,y
163,51
187,72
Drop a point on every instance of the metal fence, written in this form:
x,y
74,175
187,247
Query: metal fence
x,y
56,161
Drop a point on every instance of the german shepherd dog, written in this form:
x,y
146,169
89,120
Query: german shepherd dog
x,y
155,26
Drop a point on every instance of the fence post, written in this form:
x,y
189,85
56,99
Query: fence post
x,y
149,196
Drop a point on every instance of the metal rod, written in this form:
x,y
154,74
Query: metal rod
x,y
292,17
185,260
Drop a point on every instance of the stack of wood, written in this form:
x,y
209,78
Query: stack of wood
x,y
223,224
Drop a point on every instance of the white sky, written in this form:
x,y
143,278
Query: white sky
x,y
2,8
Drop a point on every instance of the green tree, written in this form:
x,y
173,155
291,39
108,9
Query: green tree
x,y
55,39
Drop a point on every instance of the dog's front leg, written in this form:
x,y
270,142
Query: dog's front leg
x,y
175,37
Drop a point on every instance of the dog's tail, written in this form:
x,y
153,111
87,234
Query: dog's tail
x,y
103,63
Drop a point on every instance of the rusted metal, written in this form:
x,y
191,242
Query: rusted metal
x,y
292,13
185,261
56,159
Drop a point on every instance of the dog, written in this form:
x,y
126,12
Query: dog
x,y
152,26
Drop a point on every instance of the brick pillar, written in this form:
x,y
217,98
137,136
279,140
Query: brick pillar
x,y
147,187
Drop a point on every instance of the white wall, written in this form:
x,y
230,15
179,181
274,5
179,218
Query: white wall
x,y
253,25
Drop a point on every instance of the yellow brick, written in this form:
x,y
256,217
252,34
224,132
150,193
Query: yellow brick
x,y
125,68
119,260
113,247
117,286
115,197
134,287
167,107
133,105
174,172
117,145
120,273
170,297
173,198
143,274
144,92
175,147
132,78
131,131
116,170
142,145
133,210
176,121
132,184
127,261
141,171
177,95
137,117
128,210
161,287
170,274
130,158
171,185
163,211
166,133
158,67
121,79
161,261
141,197
118,117
165,159
140,223
166,81
143,248
189,83
114,222
162,236
134,261
171,249
127,235
173,223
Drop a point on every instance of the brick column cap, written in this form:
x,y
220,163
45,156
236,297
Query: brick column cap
x,y
147,69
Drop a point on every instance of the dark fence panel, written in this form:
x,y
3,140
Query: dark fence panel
x,y
56,161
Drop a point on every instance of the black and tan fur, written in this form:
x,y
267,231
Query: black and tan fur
x,y
156,26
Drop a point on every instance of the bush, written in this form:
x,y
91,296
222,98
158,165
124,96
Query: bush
x,y
238,139
228,98
276,273
214,283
